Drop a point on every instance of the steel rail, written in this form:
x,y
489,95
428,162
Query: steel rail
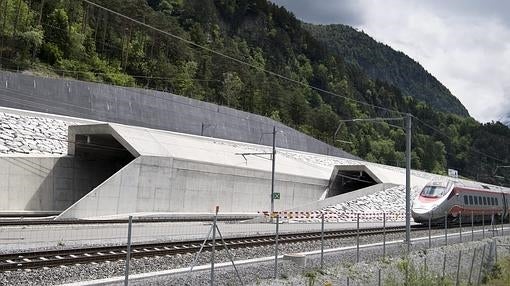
x,y
52,258
29,222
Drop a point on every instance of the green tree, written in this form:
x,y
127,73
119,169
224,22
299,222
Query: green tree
x,y
231,91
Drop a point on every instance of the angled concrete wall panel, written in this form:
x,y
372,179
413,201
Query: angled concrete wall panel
x,y
47,184
162,184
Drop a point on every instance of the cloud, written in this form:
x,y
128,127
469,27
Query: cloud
x,y
464,44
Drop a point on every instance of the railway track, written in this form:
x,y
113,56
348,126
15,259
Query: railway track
x,y
29,222
52,258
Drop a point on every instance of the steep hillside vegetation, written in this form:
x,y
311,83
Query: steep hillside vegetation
x,y
506,121
74,39
382,62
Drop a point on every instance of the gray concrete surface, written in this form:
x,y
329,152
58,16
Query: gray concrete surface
x,y
176,172
46,184
159,184
149,108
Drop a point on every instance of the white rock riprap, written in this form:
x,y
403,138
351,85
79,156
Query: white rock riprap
x,y
21,134
390,202
371,207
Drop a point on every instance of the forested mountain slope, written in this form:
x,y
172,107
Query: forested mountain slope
x,y
381,62
74,38
506,121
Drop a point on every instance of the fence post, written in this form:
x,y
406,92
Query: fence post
x,y
384,236
430,229
276,247
444,264
322,241
471,267
460,226
472,227
446,228
493,224
379,277
502,225
128,252
481,266
495,251
483,224
357,238
458,269
213,245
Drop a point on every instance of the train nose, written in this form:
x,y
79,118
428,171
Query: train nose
x,y
420,214
421,211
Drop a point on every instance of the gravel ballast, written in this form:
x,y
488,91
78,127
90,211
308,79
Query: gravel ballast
x,y
251,273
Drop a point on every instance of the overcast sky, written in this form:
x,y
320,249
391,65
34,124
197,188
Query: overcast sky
x,y
463,43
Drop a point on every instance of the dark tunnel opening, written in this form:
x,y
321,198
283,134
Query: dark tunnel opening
x,y
348,181
97,157
102,147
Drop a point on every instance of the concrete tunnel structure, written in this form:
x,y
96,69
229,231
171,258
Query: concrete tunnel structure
x,y
170,172
114,170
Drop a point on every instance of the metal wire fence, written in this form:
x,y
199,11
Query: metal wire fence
x,y
434,253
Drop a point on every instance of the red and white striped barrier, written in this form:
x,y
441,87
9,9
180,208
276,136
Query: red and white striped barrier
x,y
336,216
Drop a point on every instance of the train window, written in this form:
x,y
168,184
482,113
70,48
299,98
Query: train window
x,y
484,201
465,200
433,191
480,201
476,200
492,201
470,200
497,202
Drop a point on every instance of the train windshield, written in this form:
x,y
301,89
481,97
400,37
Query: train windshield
x,y
433,191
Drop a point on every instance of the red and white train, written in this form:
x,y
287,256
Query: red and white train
x,y
461,199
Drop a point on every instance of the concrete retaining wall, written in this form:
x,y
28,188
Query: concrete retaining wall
x,y
46,183
148,108
162,184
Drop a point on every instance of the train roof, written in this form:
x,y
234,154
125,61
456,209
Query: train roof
x,y
480,186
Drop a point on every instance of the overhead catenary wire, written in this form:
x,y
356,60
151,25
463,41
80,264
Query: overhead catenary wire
x,y
440,132
60,71
213,51
254,66
239,61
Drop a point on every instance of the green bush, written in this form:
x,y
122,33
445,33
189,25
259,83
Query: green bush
x,y
415,277
51,54
499,274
